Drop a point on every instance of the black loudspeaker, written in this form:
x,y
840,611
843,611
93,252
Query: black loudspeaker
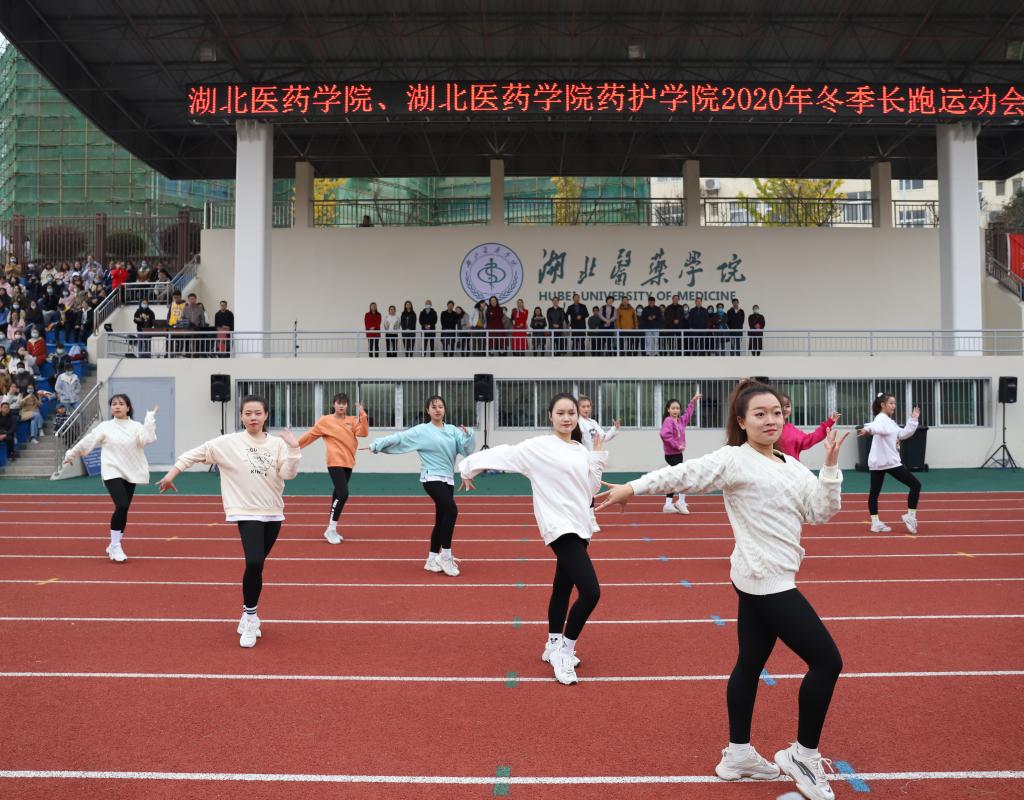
x,y
483,387
1007,389
220,388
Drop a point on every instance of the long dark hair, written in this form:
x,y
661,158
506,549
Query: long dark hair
x,y
577,434
880,400
253,398
127,402
739,401
664,413
431,399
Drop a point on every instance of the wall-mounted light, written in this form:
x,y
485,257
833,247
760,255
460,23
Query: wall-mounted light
x,y
636,51
207,54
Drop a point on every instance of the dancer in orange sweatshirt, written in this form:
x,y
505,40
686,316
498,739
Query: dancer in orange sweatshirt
x,y
339,432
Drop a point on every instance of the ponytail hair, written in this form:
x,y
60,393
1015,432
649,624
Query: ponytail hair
x,y
880,400
739,402
577,434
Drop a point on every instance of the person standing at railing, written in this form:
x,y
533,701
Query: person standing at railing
x,y
700,321
408,323
556,324
428,324
495,326
449,327
608,315
594,325
577,314
339,432
651,322
755,341
672,322
371,323
520,319
538,331
438,445
224,323
477,326
626,322
461,335
884,459
794,441
194,314
175,321
144,319
734,318
118,276
673,442
564,475
123,464
253,467
391,325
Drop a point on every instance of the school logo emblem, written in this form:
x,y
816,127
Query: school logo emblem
x,y
491,269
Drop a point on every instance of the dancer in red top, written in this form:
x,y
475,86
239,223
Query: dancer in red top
x,y
793,440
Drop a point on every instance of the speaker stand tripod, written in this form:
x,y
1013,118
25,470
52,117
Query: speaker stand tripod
x,y
1002,457
223,425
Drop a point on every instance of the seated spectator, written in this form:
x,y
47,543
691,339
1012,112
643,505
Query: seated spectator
x,y
49,302
12,270
36,348
60,416
22,376
144,274
58,360
68,387
15,324
5,381
13,397
8,428
31,413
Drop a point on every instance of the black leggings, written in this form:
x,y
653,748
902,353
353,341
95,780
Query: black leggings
x,y
672,459
445,514
574,569
339,476
900,473
121,492
257,541
788,616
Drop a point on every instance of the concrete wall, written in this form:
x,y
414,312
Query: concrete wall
x,y
198,419
801,278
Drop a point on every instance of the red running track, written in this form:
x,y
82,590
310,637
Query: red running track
x,y
952,604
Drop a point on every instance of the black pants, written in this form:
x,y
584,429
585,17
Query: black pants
x,y
574,569
672,459
339,477
900,473
121,492
445,514
755,343
392,344
257,541
409,343
762,619
428,342
373,346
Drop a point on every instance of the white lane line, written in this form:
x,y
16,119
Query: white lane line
x,y
521,559
518,585
473,780
214,676
504,622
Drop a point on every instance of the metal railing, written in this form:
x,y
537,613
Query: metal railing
x,y
494,344
915,213
998,270
77,424
426,212
133,293
799,212
594,211
220,214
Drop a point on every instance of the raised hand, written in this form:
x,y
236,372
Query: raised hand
x,y
467,485
289,438
916,413
617,423
834,416
617,494
154,409
832,446
696,398
360,409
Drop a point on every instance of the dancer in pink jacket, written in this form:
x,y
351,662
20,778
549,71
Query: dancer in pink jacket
x,y
793,440
673,440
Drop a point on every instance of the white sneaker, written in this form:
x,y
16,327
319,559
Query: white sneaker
x,y
116,553
682,508
880,527
332,536
808,773
449,566
670,508
565,671
249,630
550,648
910,522
433,563
751,765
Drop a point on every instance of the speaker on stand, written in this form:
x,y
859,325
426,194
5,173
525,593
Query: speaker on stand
x,y
483,392
1002,457
220,392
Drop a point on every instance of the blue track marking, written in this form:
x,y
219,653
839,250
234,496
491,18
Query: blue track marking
x,y
718,620
767,678
846,768
685,583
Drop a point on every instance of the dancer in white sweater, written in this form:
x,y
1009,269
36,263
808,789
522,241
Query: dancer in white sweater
x,y
253,467
123,464
884,459
768,497
592,430
564,476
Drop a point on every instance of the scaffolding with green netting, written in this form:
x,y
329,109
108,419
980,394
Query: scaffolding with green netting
x,y
55,163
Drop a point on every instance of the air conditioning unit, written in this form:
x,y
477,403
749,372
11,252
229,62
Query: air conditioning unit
x,y
712,184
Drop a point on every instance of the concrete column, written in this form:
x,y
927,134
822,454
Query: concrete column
x,y
303,194
960,274
497,207
253,175
691,193
881,194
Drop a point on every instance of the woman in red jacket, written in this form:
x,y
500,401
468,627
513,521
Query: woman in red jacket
x,y
371,321
495,325
520,319
118,275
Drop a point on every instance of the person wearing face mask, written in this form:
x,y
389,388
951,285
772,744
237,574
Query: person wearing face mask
x,y
721,329
48,301
36,348
15,326
734,318
68,387
144,319
755,321
673,323
34,318
428,324
30,412
59,359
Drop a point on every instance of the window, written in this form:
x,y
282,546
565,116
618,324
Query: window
x,y
1017,184
858,211
1000,188
911,218
910,185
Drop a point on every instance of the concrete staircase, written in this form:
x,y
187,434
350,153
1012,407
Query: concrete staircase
x,y
40,460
